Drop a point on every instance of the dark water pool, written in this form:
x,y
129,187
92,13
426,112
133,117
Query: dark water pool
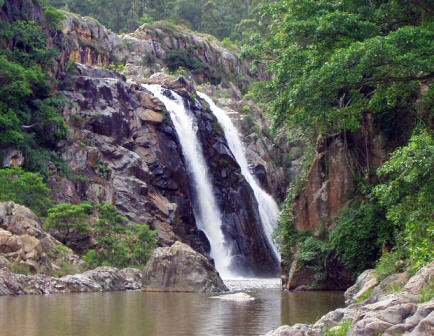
x,y
163,314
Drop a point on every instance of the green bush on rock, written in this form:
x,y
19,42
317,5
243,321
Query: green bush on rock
x,y
67,219
407,193
360,233
25,188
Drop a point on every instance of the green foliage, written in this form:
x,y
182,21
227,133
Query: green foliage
x,y
65,269
19,268
407,193
218,17
28,108
360,233
246,108
183,58
119,245
145,19
427,292
25,188
343,329
390,263
54,17
67,218
333,61
102,170
65,250
367,293
312,254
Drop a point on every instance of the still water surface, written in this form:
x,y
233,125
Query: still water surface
x,y
163,314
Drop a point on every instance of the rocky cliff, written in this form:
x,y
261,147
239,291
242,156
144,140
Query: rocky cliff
x,y
122,147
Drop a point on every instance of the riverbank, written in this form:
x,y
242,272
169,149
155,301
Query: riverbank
x,y
101,279
391,307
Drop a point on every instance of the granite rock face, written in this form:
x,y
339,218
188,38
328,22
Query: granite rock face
x,y
25,244
101,279
180,269
401,313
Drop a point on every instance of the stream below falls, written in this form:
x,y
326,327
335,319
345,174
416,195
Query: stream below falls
x,y
164,314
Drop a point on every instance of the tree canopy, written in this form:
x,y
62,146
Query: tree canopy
x,y
217,17
332,61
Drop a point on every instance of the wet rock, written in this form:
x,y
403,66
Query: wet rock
x,y
180,269
236,297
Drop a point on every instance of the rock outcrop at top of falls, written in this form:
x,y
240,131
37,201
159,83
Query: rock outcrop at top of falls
x,y
180,269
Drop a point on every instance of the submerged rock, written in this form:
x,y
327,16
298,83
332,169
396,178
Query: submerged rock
x,y
180,269
237,297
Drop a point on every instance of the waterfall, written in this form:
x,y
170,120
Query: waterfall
x,y
268,209
206,211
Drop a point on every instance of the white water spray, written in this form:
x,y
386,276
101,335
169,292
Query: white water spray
x,y
207,213
268,209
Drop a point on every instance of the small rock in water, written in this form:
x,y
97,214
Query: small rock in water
x,y
239,297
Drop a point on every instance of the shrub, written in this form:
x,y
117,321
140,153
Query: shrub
x,y
391,262
311,254
54,17
360,233
342,329
119,245
367,293
407,193
67,218
183,58
25,188
427,292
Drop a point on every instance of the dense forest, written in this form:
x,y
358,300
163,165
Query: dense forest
x,y
331,64
221,18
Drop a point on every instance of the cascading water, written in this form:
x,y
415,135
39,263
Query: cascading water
x,y
207,213
268,209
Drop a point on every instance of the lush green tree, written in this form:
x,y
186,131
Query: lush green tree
x,y
407,193
333,61
67,219
362,231
25,188
28,106
117,244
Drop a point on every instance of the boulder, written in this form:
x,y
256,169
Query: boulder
x,y
101,279
180,269
364,282
400,313
24,243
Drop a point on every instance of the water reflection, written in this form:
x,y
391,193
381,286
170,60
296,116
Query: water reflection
x,y
162,314
307,307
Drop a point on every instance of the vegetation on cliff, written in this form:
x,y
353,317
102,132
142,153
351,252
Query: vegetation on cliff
x,y
333,64
221,18
30,121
